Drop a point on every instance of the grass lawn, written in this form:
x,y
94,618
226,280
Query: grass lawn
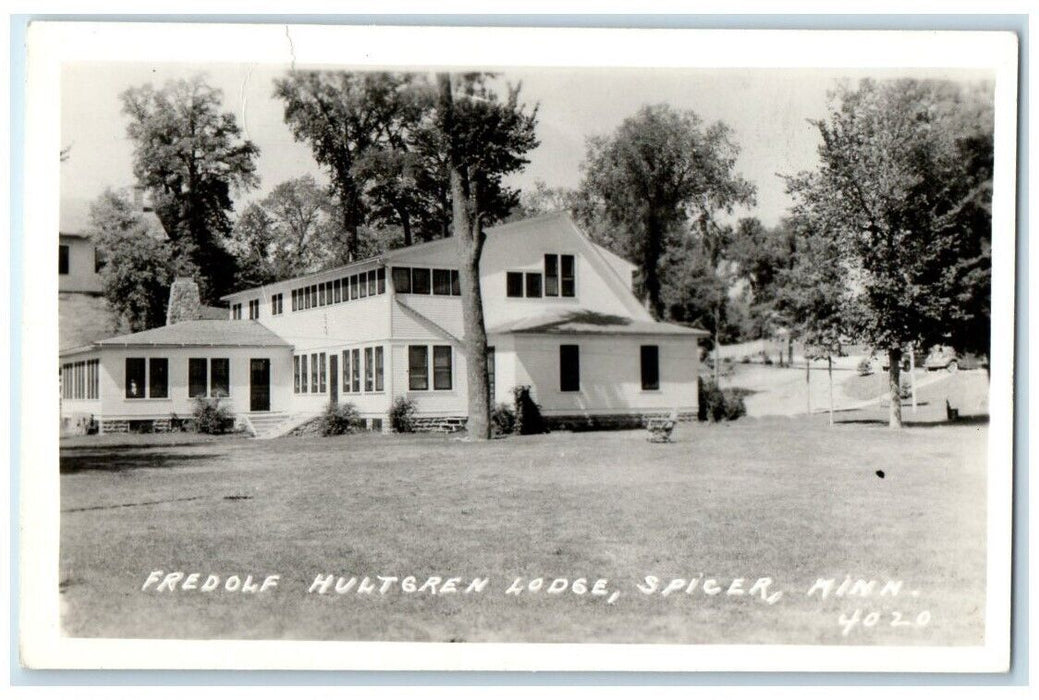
x,y
784,498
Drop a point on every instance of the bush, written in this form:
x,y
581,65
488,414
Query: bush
x,y
719,404
402,415
528,414
340,419
865,368
211,418
503,420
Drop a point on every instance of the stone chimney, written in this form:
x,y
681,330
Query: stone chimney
x,y
185,304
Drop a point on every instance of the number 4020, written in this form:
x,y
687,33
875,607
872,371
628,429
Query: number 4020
x,y
874,618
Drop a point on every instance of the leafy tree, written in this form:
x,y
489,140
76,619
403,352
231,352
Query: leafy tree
x,y
139,265
346,117
290,232
487,138
542,199
659,171
191,157
903,185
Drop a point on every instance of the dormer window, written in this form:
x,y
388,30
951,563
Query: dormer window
x,y
533,285
559,275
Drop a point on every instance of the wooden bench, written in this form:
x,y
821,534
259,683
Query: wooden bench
x,y
661,427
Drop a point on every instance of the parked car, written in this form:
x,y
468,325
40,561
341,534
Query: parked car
x,y
944,357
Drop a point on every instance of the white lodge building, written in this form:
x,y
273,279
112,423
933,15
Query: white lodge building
x,y
560,314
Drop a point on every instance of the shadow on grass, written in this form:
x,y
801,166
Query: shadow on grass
x,y
962,420
107,462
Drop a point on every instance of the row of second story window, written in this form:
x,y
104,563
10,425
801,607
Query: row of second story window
x,y
425,280
79,380
254,310
359,286
556,280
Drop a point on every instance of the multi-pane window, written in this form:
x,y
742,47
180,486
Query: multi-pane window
x,y
254,309
424,280
559,275
346,370
220,376
313,373
304,384
322,360
276,304
650,366
353,287
295,374
418,367
569,368
63,259
369,369
380,280
209,377
362,285
147,378
236,312
355,370
80,380
372,283
337,291
295,300
442,367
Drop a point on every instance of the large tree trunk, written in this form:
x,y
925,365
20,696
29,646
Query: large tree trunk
x,y
469,237
894,356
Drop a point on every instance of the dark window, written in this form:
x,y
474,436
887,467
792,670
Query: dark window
x,y
93,388
159,378
313,295
567,264
321,300
135,377
63,259
441,366
569,368
306,298
372,284
369,369
533,284
346,370
322,373
402,280
295,373
514,284
313,373
275,305
378,368
456,285
363,285
254,309
353,286
420,283
337,291
490,372
442,282
303,383
198,376
99,259
295,298
355,369
551,275
650,367
418,367
380,278
220,376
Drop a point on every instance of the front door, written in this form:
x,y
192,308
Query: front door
x,y
333,378
259,384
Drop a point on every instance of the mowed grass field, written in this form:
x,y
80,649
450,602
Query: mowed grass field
x,y
789,499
